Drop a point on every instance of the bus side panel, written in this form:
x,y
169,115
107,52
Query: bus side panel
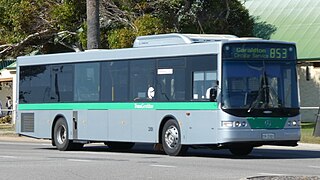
x,y
39,123
143,126
202,127
119,125
197,127
92,125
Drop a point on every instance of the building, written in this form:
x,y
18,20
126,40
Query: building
x,y
8,83
296,21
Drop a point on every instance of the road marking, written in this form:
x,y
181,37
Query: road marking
x,y
8,157
164,166
317,167
79,160
271,174
27,143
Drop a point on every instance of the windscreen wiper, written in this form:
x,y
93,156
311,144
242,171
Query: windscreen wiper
x,y
263,93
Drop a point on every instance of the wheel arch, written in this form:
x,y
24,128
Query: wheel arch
x,y
53,125
163,121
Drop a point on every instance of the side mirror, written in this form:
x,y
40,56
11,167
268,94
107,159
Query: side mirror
x,y
308,75
214,91
213,94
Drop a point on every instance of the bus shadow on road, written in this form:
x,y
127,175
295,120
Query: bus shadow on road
x,y
257,153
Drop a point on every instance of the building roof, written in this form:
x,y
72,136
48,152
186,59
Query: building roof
x,y
296,20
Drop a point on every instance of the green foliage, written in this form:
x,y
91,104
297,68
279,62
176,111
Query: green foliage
x,y
20,19
262,29
69,15
126,20
121,38
144,25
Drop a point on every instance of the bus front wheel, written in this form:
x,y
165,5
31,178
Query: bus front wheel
x,y
171,139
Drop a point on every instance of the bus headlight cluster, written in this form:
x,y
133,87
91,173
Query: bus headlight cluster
x,y
293,123
233,124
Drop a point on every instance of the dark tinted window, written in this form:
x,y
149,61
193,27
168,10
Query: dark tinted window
x,y
142,75
34,84
62,83
171,77
87,82
114,84
201,73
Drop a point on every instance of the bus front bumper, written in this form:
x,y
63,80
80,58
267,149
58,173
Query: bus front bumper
x,y
282,137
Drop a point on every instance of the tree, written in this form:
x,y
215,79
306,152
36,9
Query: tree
x,y
262,29
184,16
93,24
50,26
28,25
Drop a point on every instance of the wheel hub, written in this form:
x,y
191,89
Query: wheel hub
x,y
172,137
61,135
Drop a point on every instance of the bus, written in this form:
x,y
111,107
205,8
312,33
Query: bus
x,y
172,90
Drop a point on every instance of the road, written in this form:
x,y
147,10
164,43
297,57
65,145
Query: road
x,y
39,160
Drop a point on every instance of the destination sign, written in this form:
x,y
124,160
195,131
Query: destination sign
x,y
260,51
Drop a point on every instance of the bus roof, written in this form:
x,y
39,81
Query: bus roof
x,y
153,46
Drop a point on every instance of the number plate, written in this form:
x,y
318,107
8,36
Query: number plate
x,y
268,136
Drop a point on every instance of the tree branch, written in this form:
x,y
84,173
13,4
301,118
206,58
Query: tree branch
x,y
8,49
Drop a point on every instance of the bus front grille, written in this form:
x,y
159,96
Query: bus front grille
x,y
27,122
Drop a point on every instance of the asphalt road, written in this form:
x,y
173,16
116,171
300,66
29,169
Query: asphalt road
x,y
39,160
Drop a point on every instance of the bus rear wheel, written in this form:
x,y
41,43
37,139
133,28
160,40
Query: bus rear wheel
x,y
61,138
240,150
171,139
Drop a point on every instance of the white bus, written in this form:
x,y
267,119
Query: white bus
x,y
172,90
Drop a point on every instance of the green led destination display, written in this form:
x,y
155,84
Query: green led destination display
x,y
260,51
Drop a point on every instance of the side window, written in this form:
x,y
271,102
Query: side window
x,y
34,86
171,77
142,73
114,82
203,81
61,83
87,80
202,73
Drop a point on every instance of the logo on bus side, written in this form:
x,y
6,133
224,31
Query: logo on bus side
x,y
267,123
143,106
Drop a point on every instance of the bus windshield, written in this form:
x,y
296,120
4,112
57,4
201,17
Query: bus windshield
x,y
250,84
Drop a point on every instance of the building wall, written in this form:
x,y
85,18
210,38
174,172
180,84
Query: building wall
x,y
309,93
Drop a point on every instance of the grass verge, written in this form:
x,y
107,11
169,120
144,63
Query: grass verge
x,y
7,130
307,134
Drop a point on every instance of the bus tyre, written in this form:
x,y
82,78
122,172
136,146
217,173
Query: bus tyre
x,y
241,150
60,135
171,139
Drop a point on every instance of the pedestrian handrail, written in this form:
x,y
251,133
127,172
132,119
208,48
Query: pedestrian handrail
x,y
309,108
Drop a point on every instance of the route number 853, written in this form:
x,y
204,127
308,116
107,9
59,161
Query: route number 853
x,y
279,53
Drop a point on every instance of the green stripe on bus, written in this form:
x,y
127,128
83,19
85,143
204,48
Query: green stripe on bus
x,y
125,106
267,123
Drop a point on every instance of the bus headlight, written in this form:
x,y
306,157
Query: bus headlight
x,y
294,123
227,124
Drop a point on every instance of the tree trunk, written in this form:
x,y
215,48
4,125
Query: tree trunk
x,y
93,30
